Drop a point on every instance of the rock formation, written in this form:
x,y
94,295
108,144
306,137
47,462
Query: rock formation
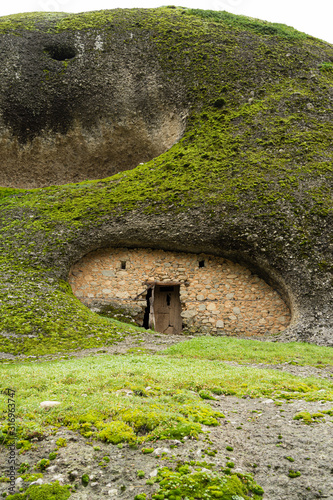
x,y
223,125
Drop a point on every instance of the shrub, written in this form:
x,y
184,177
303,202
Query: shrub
x,y
43,464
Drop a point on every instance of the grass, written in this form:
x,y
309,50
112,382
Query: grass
x,y
165,396
251,351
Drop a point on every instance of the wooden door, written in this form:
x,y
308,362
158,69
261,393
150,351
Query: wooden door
x,y
167,309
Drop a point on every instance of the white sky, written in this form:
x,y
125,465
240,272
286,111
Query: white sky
x,y
311,16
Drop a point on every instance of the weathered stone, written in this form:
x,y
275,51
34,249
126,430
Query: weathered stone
x,y
49,404
197,308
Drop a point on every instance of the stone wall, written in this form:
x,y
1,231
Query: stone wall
x,y
216,295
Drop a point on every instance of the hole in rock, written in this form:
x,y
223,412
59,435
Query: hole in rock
x,y
60,52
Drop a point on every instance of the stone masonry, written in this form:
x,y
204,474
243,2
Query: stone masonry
x,y
216,295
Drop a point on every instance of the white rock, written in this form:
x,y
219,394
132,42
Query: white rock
x,y
93,485
58,477
153,473
49,404
52,468
267,401
113,492
188,314
126,392
159,451
39,481
18,481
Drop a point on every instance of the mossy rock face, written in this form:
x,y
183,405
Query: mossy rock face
x,y
82,103
250,177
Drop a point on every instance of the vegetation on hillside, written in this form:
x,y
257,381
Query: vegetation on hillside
x,y
256,157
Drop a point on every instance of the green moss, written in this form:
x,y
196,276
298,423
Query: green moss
x,y
24,466
293,473
145,451
117,432
52,491
265,159
23,445
307,417
326,66
85,479
43,464
249,24
28,478
181,482
61,442
206,395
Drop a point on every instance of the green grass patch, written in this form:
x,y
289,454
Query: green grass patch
x,y
252,351
93,395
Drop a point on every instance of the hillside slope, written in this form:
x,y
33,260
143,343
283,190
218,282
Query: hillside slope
x,y
230,119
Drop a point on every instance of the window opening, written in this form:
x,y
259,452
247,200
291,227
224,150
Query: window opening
x,y
123,264
168,299
201,263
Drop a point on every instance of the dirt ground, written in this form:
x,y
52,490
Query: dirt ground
x,y
261,432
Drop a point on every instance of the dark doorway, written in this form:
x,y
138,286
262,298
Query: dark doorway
x,y
167,309
147,310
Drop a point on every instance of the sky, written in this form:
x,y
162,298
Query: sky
x,y
311,16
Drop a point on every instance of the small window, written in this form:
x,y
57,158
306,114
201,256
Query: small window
x,y
201,263
123,264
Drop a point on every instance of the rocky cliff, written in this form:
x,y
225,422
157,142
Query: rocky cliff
x,y
223,125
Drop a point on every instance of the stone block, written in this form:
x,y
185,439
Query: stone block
x,y
108,273
211,306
